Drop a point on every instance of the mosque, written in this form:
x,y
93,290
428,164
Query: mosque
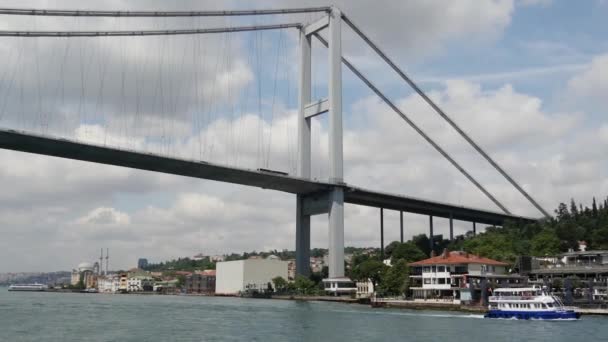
x,y
86,272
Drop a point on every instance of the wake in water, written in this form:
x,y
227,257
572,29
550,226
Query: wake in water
x,y
410,314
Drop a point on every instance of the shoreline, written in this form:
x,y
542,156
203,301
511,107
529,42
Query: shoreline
x,y
388,304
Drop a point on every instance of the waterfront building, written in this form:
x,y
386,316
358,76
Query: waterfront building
x,y
234,277
140,283
291,269
365,289
456,277
586,270
339,286
584,265
108,284
166,286
123,282
316,264
201,282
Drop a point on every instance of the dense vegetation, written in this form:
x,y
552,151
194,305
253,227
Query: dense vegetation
x,y
570,225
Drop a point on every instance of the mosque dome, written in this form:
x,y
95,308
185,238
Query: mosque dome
x,y
85,266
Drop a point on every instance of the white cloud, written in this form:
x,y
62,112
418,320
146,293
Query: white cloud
x,y
105,216
603,132
592,83
528,3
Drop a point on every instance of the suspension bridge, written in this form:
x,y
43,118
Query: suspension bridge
x,y
314,196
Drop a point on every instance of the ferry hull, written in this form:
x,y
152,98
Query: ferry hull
x,y
27,289
568,314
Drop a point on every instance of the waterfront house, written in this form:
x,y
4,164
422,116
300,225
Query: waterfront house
x,y
365,289
201,282
455,277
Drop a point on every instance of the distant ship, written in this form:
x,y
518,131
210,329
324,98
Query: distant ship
x,y
527,303
28,287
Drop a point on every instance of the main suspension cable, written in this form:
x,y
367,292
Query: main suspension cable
x,y
416,128
443,114
79,13
4,33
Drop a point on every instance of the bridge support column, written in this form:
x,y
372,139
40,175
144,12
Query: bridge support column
x,y
304,157
382,233
474,229
451,227
302,239
431,238
336,233
401,225
336,162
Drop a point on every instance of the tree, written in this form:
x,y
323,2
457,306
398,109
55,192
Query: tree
x,y
594,208
422,242
493,245
388,250
280,284
304,285
545,243
181,281
573,208
407,251
562,211
371,269
395,279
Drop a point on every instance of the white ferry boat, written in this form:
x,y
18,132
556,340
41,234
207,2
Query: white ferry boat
x,y
527,303
28,287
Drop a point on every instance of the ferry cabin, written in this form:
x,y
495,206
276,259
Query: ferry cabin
x,y
523,299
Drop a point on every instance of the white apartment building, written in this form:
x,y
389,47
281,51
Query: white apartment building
x,y
108,284
139,284
234,277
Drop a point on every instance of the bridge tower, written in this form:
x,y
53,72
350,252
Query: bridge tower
x,y
332,202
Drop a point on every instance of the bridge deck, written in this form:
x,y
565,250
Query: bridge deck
x,y
38,144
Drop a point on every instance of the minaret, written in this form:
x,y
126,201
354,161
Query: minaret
x,y
107,259
100,271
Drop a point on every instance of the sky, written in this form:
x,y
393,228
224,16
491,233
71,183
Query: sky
x,y
527,79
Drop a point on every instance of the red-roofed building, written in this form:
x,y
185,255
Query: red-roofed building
x,y
457,276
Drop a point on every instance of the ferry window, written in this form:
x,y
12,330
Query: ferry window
x,y
550,305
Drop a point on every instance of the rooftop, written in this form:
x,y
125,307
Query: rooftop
x,y
457,258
